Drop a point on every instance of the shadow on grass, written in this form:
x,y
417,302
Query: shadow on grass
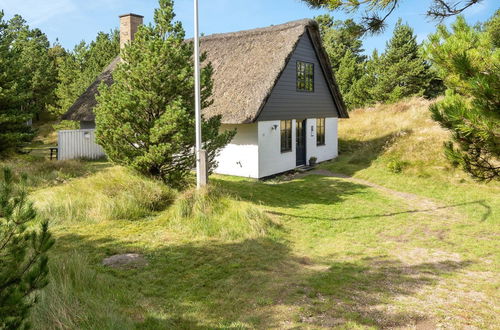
x,y
210,284
292,194
356,155
481,203
366,288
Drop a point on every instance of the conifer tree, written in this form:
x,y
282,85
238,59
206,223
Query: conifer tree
x,y
145,120
376,12
403,70
37,67
23,253
340,37
468,61
14,95
348,78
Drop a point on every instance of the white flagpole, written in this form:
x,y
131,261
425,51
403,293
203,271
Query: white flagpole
x,y
199,176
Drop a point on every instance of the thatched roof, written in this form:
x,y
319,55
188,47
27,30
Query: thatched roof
x,y
246,65
83,108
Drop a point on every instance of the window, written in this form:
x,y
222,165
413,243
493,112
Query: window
x,y
286,135
320,131
305,77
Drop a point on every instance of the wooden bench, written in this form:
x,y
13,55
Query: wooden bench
x,y
53,152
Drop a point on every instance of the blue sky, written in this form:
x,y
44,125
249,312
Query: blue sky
x,y
74,20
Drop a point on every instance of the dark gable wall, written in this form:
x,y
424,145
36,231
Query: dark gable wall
x,y
285,102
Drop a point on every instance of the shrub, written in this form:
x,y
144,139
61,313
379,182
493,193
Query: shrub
x,y
396,165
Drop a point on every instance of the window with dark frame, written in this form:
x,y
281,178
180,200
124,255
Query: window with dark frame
x,y
305,76
286,135
320,131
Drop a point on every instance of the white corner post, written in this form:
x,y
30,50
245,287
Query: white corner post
x,y
201,156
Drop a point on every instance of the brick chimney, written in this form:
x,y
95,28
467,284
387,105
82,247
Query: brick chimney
x,y
129,23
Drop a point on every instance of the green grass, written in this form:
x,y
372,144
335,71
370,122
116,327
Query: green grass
x,y
113,194
374,141
211,213
46,173
314,253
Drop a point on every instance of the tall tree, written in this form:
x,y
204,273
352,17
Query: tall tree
x,y
404,71
23,253
343,44
37,66
78,69
468,61
14,95
377,11
340,37
145,120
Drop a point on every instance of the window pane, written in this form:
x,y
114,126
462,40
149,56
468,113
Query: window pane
x,y
286,135
305,76
320,131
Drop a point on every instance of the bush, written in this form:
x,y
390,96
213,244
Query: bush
x,y
113,194
396,165
210,213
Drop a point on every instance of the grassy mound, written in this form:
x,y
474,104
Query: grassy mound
x,y
399,137
115,193
400,147
211,213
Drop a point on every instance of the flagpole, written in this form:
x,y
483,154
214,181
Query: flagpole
x,y
200,177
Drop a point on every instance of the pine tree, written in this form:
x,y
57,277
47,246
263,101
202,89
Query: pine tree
x,y
342,42
340,37
79,68
468,61
23,253
37,67
145,120
348,78
376,12
404,72
14,95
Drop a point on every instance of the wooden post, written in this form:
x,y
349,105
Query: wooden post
x,y
203,168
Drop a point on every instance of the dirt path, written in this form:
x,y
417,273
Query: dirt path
x,y
419,203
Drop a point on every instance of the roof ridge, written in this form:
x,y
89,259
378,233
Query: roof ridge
x,y
305,22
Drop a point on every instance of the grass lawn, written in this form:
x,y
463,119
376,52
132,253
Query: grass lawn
x,y
332,253
416,249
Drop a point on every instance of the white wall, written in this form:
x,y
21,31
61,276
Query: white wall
x,y
74,144
330,149
271,159
241,156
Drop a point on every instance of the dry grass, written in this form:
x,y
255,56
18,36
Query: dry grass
x,y
212,214
45,173
115,193
402,133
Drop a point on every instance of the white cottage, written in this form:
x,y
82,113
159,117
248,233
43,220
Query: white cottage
x,y
274,85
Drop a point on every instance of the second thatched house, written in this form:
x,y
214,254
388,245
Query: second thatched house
x,y
274,85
